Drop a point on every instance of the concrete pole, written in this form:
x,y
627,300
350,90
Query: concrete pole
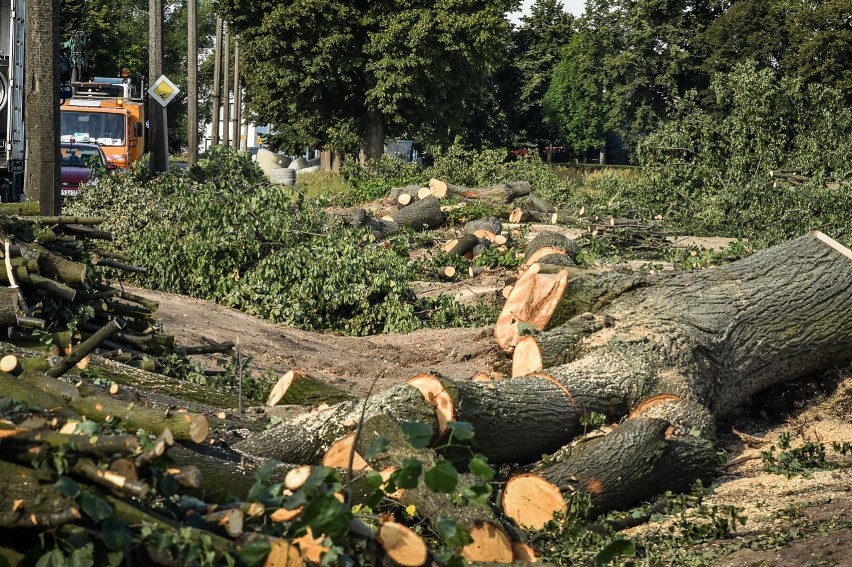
x,y
158,150
238,99
226,99
192,83
217,83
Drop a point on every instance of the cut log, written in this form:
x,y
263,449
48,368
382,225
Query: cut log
x,y
632,463
50,393
360,218
461,246
425,213
531,501
305,438
342,455
402,545
8,307
490,225
282,553
535,203
533,300
494,196
296,477
299,389
226,522
553,241
490,544
518,215
396,192
435,393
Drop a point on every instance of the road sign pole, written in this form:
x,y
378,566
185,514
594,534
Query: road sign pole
x,y
166,135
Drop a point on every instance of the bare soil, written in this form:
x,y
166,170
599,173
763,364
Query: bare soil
x,y
791,522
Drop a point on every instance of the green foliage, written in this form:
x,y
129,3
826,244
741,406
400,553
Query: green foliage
x,y
706,171
573,105
220,232
811,456
374,179
418,67
495,258
538,43
687,522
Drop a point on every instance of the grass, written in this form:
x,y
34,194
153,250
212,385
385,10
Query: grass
x,y
325,183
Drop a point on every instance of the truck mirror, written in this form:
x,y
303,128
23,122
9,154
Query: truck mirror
x,y
137,129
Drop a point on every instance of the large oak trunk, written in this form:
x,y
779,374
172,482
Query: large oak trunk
x,y
670,354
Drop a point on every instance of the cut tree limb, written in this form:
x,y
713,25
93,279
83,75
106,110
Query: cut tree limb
x,y
494,196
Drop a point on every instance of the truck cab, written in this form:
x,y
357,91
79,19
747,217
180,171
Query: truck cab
x,y
108,112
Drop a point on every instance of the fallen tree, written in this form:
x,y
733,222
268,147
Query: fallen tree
x,y
663,357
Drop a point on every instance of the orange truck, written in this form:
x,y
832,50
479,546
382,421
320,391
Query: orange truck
x,y
108,112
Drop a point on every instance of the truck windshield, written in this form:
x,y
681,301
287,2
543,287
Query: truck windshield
x,y
105,129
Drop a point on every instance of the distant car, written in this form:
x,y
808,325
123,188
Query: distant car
x,y
80,162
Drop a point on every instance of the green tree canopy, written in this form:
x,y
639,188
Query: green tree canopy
x,y
574,104
539,41
327,73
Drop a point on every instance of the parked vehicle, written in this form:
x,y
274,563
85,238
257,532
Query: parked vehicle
x,y
108,111
11,99
80,163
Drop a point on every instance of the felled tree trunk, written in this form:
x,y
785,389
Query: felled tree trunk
x,y
425,213
670,356
493,196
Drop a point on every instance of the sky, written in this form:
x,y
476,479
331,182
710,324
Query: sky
x,y
576,7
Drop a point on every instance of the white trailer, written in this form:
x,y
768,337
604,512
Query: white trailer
x,y
12,152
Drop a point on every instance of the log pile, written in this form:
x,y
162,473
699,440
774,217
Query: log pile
x,y
56,273
659,358
641,238
131,500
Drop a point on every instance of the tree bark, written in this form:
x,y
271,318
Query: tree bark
x,y
424,213
217,82
373,141
41,88
226,82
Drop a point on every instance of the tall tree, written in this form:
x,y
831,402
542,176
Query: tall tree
x,y
539,41
823,34
326,73
574,104
116,33
41,103
646,58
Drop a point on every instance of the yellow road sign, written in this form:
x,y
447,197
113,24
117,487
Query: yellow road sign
x,y
163,90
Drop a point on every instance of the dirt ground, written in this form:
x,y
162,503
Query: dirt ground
x,y
818,508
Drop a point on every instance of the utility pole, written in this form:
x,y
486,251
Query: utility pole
x,y
238,98
192,83
157,145
217,84
41,103
226,99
